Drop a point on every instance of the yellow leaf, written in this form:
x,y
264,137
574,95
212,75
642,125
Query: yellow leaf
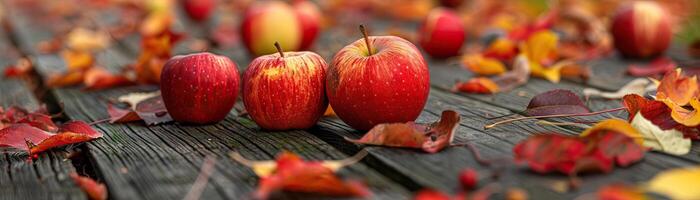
x,y
77,60
678,88
483,66
668,141
615,125
679,183
82,39
684,116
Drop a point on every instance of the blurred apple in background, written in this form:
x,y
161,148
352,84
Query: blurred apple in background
x,y
199,10
284,91
442,33
267,22
199,88
310,18
378,79
641,29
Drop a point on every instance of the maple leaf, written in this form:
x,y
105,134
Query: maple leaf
x,y
148,107
430,138
558,101
598,149
93,189
661,65
288,172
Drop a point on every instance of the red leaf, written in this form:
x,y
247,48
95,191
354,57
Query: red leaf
x,y
296,175
21,68
17,135
468,178
661,65
429,137
38,118
600,150
71,133
634,103
93,189
557,101
150,109
429,194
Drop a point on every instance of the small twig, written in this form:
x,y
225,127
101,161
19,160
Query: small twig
x,y
202,179
551,116
100,121
477,154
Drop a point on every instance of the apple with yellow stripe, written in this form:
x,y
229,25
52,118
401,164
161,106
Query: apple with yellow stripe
x,y
285,90
442,33
294,27
641,29
378,79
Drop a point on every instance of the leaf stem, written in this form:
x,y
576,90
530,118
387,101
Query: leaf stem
x,y
551,116
366,35
279,49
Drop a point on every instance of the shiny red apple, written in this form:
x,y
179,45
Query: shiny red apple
x,y
285,90
442,33
378,79
310,20
199,88
199,10
641,29
267,22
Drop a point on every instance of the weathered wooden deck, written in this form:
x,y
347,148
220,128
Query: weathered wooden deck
x,y
161,162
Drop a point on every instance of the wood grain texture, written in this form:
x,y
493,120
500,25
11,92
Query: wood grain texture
x,y
21,178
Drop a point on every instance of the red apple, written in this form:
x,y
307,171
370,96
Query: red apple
x,y
310,19
199,10
267,22
199,88
641,29
442,33
389,83
284,91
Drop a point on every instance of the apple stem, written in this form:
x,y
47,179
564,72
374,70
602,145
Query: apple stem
x,y
364,33
551,116
279,49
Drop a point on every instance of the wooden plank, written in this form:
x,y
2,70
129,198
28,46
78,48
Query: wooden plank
x,y
161,162
21,178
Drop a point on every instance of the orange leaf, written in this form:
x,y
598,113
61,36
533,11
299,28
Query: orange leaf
x,y
77,60
94,190
99,78
429,137
61,80
290,173
478,86
677,88
502,48
682,115
615,125
484,66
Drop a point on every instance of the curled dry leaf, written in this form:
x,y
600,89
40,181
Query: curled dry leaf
x,y
558,101
34,140
637,86
290,173
658,113
93,189
504,82
599,149
680,183
430,138
148,107
661,65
